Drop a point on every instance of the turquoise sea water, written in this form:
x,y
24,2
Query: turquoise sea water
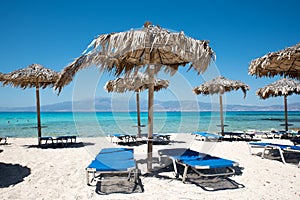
x,y
22,124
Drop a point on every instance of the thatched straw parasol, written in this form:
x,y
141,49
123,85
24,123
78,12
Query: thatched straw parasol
x,y
151,48
136,83
283,87
220,85
34,75
285,62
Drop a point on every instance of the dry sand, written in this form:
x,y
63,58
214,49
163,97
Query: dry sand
x,y
27,172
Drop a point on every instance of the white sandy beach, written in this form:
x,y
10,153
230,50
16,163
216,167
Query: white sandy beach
x,y
60,173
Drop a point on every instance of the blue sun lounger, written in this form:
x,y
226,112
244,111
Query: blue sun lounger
x,y
280,147
208,136
125,138
295,141
113,161
202,164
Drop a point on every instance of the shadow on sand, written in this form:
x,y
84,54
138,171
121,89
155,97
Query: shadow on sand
x,y
125,187
61,145
12,174
207,184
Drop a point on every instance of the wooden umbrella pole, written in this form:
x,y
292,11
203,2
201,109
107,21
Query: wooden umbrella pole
x,y
221,115
285,113
150,118
138,113
37,92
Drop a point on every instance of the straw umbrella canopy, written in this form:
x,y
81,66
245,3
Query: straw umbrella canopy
x,y
220,85
285,63
136,83
34,75
283,87
152,48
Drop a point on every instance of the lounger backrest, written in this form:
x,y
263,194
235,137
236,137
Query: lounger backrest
x,y
118,154
181,153
114,159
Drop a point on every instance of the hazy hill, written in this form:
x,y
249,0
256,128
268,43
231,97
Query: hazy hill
x,y
108,104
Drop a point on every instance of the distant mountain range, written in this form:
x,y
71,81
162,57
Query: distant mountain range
x,y
108,104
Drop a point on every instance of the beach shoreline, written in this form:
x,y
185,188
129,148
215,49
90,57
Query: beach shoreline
x,y
59,173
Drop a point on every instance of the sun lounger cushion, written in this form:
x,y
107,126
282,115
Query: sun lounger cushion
x,y
113,165
197,159
209,162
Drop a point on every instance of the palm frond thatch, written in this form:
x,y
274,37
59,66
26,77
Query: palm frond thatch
x,y
220,85
139,82
130,50
34,75
151,48
29,77
285,63
282,87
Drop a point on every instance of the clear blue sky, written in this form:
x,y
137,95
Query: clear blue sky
x,y
54,32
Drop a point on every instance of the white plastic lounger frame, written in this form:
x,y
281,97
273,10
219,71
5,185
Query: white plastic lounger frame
x,y
270,146
113,161
230,171
99,175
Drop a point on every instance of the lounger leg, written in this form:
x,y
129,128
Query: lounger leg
x,y
137,180
87,178
281,155
175,168
250,149
263,153
185,173
136,171
280,152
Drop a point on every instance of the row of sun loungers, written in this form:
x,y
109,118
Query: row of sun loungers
x,y
121,138
118,164
207,136
54,141
228,136
246,136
